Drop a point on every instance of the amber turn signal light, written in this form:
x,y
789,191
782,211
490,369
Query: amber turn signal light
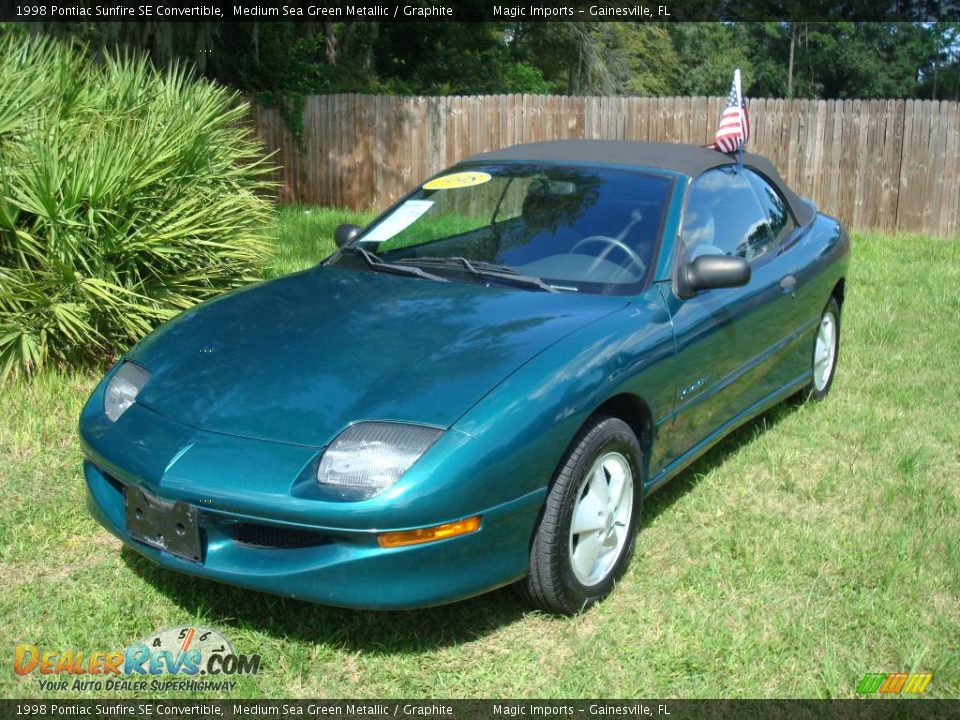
x,y
424,535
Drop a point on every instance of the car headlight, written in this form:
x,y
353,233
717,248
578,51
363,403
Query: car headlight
x,y
367,458
123,388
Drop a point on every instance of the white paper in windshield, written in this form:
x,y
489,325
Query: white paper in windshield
x,y
398,220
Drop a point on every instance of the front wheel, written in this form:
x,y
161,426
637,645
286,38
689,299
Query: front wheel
x,y
585,538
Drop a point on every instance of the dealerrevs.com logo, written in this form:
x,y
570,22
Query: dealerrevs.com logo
x,y
197,658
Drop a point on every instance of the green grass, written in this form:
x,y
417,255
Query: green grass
x,y
817,543
304,236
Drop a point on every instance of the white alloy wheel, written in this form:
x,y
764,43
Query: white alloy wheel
x,y
600,527
590,519
825,351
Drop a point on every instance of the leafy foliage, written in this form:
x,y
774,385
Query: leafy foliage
x,y
847,60
707,54
126,195
282,61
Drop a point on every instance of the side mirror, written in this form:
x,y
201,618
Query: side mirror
x,y
713,271
345,233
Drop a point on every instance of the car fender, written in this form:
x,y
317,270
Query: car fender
x,y
526,423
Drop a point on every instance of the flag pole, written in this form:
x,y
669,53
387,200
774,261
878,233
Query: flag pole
x,y
736,79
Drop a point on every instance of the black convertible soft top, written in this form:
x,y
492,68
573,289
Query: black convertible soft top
x,y
690,160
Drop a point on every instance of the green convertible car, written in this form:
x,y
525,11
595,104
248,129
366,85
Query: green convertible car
x,y
477,389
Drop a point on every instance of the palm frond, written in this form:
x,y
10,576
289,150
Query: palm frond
x,y
126,196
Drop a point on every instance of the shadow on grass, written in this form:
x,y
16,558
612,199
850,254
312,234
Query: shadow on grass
x,y
687,480
393,632
385,632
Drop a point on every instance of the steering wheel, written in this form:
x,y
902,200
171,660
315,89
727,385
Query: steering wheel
x,y
611,243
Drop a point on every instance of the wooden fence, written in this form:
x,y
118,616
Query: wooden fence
x,y
893,165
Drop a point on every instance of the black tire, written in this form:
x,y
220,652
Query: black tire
x,y
551,584
814,394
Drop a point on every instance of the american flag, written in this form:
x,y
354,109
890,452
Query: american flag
x,y
734,130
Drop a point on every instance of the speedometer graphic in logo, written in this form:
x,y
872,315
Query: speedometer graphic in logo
x,y
188,638
190,650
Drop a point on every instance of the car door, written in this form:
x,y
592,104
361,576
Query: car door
x,y
729,340
793,259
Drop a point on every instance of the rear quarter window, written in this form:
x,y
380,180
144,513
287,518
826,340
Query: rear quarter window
x,y
779,217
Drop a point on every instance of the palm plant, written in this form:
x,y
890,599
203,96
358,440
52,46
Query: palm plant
x,y
126,195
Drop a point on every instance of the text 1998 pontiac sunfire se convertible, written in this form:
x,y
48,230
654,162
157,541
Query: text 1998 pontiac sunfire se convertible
x,y
477,389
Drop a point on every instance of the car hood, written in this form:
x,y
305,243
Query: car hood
x,y
298,358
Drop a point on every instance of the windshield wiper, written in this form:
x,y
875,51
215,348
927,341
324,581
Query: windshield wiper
x,y
472,265
484,270
525,280
379,265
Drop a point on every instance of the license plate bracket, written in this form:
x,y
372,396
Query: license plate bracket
x,y
169,526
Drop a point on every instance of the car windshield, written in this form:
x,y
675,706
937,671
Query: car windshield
x,y
575,228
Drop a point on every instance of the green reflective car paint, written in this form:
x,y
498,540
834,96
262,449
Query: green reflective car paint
x,y
248,390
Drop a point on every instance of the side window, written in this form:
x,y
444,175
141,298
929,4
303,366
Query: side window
x,y
724,217
778,213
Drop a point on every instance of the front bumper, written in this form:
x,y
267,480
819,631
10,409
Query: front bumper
x,y
338,567
263,524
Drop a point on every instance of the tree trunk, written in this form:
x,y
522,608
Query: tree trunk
x,y
936,65
330,43
793,42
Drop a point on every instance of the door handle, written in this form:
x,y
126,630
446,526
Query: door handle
x,y
788,284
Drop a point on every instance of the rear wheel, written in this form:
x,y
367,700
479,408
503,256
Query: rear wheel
x,y
826,349
585,538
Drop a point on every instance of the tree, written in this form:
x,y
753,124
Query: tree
x,y
453,58
866,60
707,55
597,58
282,61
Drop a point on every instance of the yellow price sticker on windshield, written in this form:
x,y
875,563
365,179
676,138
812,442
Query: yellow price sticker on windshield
x,y
457,180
